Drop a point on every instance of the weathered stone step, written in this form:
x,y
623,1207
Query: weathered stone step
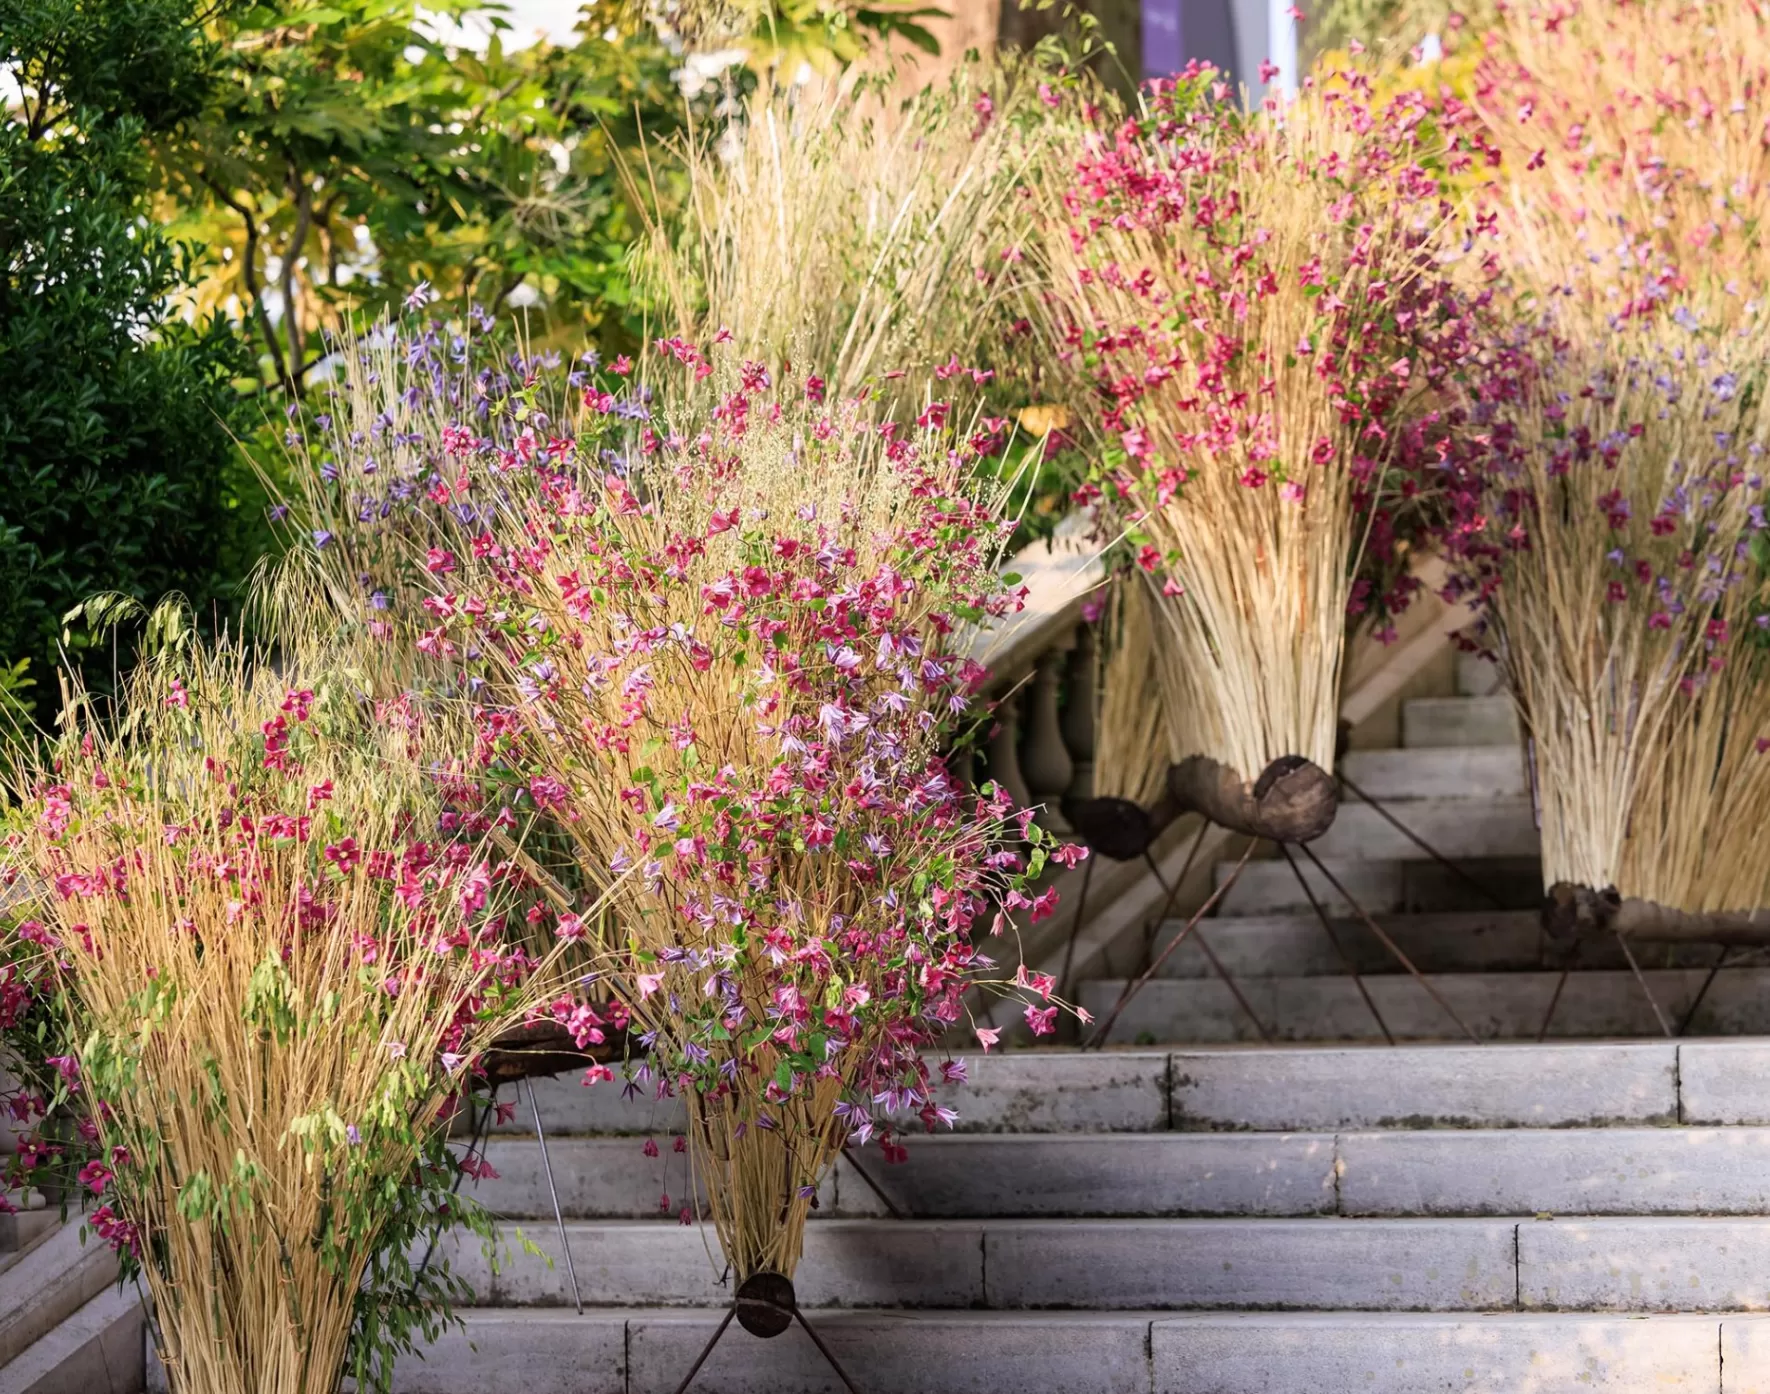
x,y
1584,1171
1027,1091
1303,1264
1304,1088
1503,1006
649,1352
1296,946
1444,772
1610,1264
1467,941
1459,721
1477,676
976,1176
1335,1088
1293,1353
99,1349
545,1351
1270,887
49,1284
1463,830
1443,1172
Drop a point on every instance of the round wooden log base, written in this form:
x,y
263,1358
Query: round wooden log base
x,y
541,1050
1578,912
1294,800
766,1304
1117,828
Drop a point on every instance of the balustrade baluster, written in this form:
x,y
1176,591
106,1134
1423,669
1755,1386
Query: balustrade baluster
x,y
1078,712
1044,760
1004,751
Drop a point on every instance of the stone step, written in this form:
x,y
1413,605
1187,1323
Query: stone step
x,y
1616,1264
1477,676
1496,1006
1295,946
1448,772
1270,887
1302,1264
1315,1088
1660,1265
48,1285
1464,830
1443,1172
976,1176
1565,1085
649,1351
1442,721
23,1230
1465,941
1027,1091
1289,1353
100,1349
1569,1171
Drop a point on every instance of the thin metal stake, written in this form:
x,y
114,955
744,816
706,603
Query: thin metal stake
x,y
558,1216
1229,982
872,1185
1703,991
828,1354
1555,998
1426,847
475,1142
1199,935
707,1350
1635,968
1388,943
1131,988
1075,927
1334,939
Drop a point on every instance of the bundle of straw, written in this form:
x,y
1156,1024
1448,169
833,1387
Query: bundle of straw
x,y
1131,751
827,231
277,975
725,670
1256,301
1648,111
1625,437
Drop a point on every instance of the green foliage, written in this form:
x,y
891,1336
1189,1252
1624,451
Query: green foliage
x,y
112,422
346,157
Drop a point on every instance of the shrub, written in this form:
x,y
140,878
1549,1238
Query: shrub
x,y
113,424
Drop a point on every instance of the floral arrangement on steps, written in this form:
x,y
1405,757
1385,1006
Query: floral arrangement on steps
x,y
273,968
722,658
1258,302
1621,543
1617,560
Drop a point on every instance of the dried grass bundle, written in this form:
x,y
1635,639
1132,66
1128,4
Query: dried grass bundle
x,y
1256,301
1131,748
1624,495
828,232
1651,112
1695,838
724,671
276,975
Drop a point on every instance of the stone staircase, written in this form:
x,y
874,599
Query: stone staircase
x,y
1458,782
1188,1213
1185,1214
1193,1221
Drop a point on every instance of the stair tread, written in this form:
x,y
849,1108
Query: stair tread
x,y
1593,1003
647,1351
1391,1172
